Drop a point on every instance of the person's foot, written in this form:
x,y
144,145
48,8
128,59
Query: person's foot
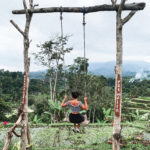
x,y
77,130
73,129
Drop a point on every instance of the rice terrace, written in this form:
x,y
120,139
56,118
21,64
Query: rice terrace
x,y
82,81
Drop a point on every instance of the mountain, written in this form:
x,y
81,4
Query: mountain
x,y
38,74
130,68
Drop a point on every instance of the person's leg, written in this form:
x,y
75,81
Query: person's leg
x,y
74,127
77,129
78,126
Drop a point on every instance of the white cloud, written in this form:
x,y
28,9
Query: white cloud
x,y
137,58
100,33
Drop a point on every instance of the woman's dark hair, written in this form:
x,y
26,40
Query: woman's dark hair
x,y
75,94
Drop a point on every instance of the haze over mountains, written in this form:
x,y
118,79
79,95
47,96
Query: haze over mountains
x,y
130,68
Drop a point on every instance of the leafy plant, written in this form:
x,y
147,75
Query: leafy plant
x,y
83,111
108,114
4,107
36,120
136,115
17,146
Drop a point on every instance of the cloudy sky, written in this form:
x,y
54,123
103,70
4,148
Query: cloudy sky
x,y
100,33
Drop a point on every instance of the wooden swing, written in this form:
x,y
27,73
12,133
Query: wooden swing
x,y
66,119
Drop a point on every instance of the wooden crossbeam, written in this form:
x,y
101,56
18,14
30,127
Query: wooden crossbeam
x,y
127,7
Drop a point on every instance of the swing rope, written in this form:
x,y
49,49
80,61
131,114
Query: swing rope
x,y
85,68
62,47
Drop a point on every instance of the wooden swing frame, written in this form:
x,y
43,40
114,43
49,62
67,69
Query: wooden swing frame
x,y
23,117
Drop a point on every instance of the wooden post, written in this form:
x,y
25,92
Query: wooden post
x,y
25,129
91,9
118,70
24,108
10,133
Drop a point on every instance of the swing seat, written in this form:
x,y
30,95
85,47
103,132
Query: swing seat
x,y
85,122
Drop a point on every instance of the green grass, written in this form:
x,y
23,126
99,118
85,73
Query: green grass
x,y
103,146
137,105
140,100
145,98
92,137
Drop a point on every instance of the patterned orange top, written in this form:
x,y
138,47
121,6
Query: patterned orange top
x,y
75,103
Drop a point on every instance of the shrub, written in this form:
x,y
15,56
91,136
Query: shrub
x,y
4,107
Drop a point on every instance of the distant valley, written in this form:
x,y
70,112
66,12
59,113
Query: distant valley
x,y
130,68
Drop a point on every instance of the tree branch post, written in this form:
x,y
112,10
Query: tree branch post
x,y
17,27
113,2
118,80
91,9
10,135
25,134
118,72
128,17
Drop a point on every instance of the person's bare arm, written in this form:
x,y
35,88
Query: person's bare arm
x,y
63,104
84,106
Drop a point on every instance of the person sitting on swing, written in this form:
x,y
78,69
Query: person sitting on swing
x,y
75,117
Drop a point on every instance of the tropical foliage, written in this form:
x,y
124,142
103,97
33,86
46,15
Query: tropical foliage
x,y
46,94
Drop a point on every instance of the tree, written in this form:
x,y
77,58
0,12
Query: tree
x,y
4,107
77,74
133,92
99,95
97,90
51,55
